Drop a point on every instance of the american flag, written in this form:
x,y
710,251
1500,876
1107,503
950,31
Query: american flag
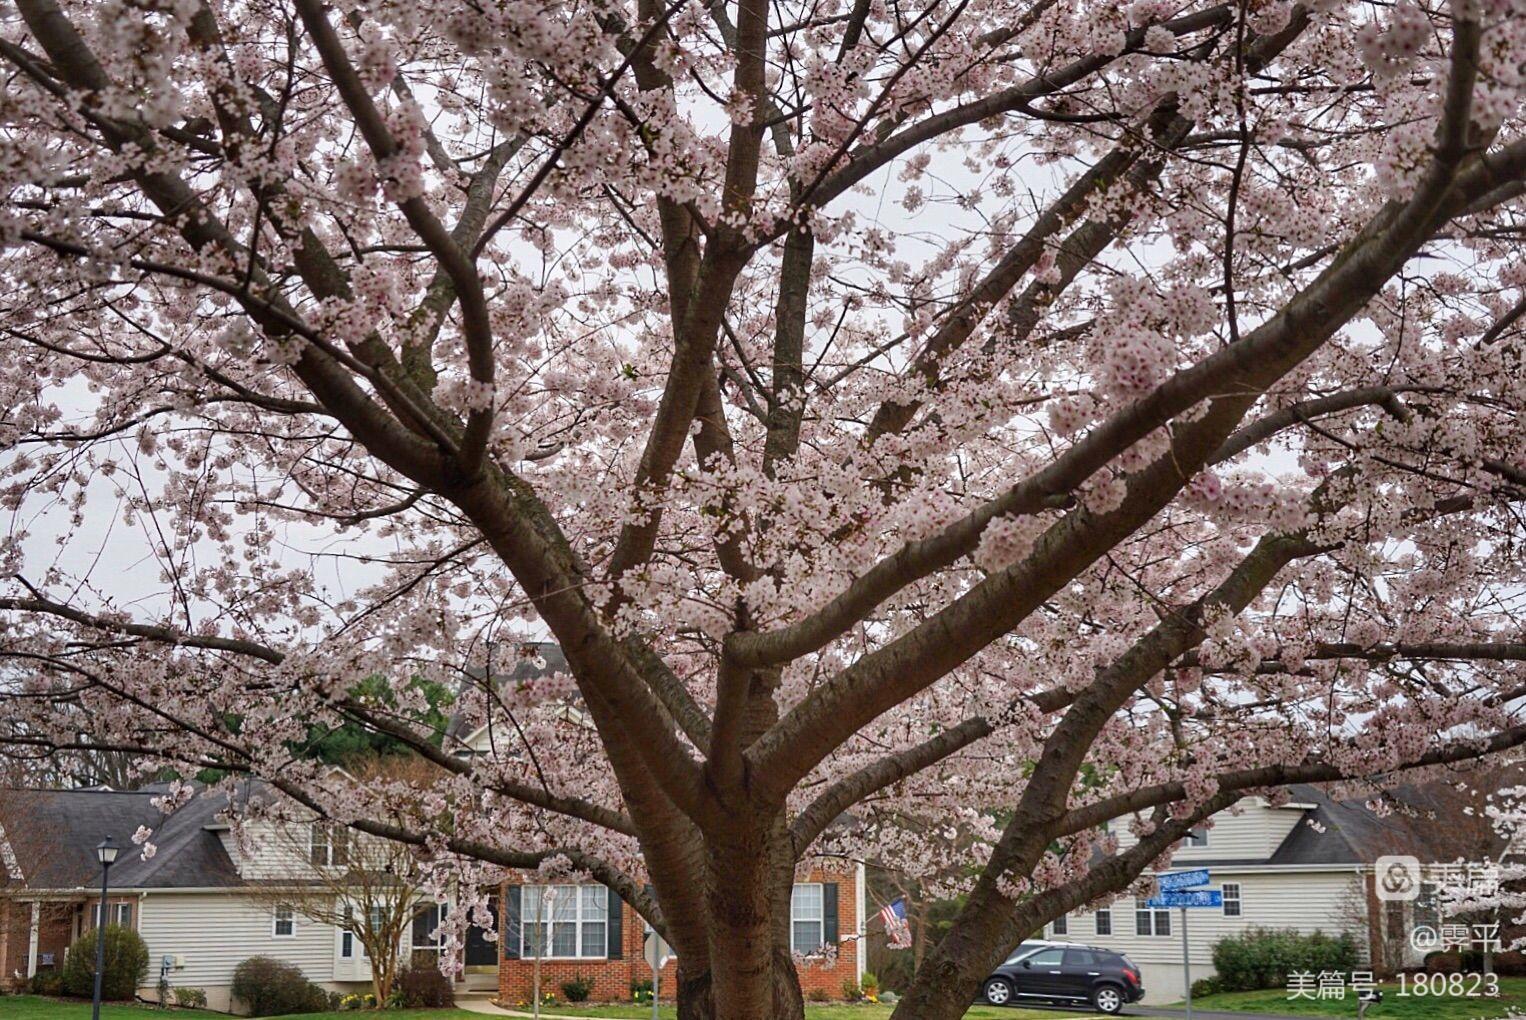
x,y
896,928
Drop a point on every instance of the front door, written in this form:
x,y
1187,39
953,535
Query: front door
x,y
479,952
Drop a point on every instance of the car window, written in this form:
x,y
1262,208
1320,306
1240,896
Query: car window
x,y
1046,958
1080,959
1024,950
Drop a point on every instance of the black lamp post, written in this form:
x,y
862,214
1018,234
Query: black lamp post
x,y
106,853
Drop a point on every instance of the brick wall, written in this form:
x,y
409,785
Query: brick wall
x,y
55,932
613,978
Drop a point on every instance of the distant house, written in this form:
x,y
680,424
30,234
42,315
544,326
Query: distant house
x,y
201,903
1306,864
591,933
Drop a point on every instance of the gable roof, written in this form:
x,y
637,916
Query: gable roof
x,y
548,659
53,834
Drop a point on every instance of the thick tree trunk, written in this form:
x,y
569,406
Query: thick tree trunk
x,y
696,998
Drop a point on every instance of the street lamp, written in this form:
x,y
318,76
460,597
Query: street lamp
x,y
106,852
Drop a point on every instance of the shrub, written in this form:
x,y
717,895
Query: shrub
x,y
1204,987
1511,963
1264,957
578,989
851,991
870,984
126,964
191,997
641,991
47,982
818,995
422,985
270,987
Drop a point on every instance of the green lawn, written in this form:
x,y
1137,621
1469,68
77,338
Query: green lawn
x,y
815,1011
1393,1007
31,1007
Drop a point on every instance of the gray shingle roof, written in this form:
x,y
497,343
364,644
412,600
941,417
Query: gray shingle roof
x,y
54,834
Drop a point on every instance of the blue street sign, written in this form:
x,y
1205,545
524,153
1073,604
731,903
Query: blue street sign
x,y
1179,880
1190,898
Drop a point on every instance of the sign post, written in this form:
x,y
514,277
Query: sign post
x,y
1187,963
657,953
1178,889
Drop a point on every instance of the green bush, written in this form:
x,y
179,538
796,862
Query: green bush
x,y
126,964
191,997
47,982
578,989
1264,957
641,991
1204,987
270,987
423,986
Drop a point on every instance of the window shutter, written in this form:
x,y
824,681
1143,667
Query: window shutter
x,y
510,934
829,913
615,948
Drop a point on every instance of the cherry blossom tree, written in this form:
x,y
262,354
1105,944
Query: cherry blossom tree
x,y
931,430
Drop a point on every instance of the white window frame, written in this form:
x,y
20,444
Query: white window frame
x,y
283,913
328,838
120,914
442,911
1237,899
820,921
1158,918
1060,925
581,919
1103,918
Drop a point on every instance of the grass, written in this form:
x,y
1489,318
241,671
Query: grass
x,y
32,1007
814,1011
35,1007
1393,1007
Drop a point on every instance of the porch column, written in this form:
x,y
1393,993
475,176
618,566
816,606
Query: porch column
x,y
31,952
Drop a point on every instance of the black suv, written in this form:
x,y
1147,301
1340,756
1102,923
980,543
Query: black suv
x,y
1067,974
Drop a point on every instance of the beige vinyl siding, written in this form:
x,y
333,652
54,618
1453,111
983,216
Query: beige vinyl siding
x,y
1301,900
1305,900
213,933
1253,834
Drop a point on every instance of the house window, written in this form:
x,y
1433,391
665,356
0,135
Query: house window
x,y
116,913
1104,919
564,921
1428,906
807,915
1197,836
426,922
1148,921
1395,915
1232,901
1062,925
283,923
328,845
349,942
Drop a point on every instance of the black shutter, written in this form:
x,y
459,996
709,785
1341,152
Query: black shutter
x,y
615,948
829,913
510,933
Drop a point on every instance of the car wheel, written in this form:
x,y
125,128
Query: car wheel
x,y
1108,999
998,991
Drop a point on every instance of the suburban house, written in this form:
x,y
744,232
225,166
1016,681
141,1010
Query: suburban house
x,y
588,932
1305,864
202,903
205,901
